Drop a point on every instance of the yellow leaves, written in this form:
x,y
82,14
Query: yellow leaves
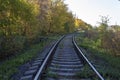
x,y
79,23
36,10
35,6
76,23
8,14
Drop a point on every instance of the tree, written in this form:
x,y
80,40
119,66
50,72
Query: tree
x,y
109,37
16,20
59,18
23,22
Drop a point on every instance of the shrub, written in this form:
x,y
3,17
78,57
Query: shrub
x,y
11,46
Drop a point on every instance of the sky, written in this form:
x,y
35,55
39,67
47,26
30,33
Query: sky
x,y
91,10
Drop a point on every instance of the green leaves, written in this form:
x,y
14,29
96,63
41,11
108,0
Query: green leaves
x,y
62,19
28,19
16,19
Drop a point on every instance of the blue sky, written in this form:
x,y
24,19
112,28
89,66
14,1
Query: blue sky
x,y
91,10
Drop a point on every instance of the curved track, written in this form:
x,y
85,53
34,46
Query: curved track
x,y
63,61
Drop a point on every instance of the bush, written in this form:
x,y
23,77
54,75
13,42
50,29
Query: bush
x,y
11,46
107,64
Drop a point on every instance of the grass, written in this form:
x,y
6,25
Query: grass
x,y
107,64
86,72
10,67
61,46
53,75
48,74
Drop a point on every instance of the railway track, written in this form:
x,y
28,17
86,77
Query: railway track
x,y
63,62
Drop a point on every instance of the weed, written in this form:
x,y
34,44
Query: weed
x,y
56,65
112,63
53,75
85,73
61,46
10,67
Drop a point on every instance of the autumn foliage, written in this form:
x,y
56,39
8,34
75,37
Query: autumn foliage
x,y
23,22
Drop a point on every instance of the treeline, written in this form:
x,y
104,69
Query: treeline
x,y
23,22
104,37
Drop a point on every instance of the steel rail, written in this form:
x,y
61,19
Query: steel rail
x,y
41,69
86,60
